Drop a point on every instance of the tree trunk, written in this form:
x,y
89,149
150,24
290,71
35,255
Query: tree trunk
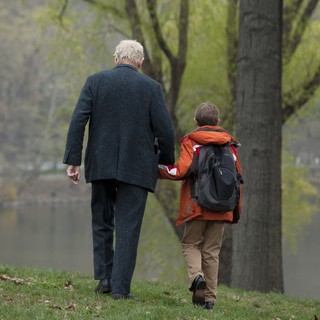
x,y
167,195
257,250
225,257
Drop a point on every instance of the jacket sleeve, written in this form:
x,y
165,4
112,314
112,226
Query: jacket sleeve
x,y
183,168
162,126
79,119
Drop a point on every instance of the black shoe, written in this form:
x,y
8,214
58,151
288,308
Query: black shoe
x,y
119,296
104,286
198,286
208,305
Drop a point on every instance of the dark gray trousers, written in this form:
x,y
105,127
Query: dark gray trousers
x,y
119,207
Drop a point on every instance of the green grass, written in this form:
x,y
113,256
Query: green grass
x,y
46,294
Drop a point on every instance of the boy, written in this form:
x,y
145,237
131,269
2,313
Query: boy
x,y
203,231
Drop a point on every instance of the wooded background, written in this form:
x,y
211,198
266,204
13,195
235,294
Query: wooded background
x,y
260,64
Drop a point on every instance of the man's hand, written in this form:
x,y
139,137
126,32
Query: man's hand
x,y
73,173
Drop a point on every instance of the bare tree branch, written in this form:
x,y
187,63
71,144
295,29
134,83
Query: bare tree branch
x,y
178,63
151,5
62,12
135,25
289,12
183,34
134,20
232,43
109,8
307,91
292,41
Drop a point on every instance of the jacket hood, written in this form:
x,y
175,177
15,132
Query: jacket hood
x,y
212,134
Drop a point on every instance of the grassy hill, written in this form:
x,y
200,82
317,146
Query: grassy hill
x,y
46,294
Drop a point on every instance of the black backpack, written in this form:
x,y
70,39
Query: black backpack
x,y
217,186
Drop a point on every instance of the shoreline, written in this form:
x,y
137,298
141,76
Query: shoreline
x,y
52,189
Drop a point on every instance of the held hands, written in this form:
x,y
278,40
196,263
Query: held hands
x,y
73,173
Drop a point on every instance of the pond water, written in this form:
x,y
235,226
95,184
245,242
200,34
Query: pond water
x,y
59,237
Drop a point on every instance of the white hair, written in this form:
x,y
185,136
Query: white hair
x,y
129,49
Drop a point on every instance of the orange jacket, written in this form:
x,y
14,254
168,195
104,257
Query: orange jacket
x,y
184,168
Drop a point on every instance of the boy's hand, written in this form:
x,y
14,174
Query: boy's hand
x,y
73,173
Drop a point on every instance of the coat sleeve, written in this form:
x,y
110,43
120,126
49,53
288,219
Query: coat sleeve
x,y
183,168
79,119
162,126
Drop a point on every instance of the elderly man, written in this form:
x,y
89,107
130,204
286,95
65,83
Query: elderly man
x,y
126,113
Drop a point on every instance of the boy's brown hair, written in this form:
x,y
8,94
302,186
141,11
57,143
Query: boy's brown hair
x,y
207,114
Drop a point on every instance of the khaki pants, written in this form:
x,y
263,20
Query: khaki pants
x,y
201,243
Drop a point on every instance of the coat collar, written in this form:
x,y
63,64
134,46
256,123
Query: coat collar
x,y
212,134
126,66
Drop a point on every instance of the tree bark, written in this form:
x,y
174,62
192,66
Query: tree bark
x,y
232,44
225,257
257,250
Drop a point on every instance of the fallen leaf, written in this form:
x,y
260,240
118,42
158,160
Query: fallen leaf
x,y
71,307
8,298
68,285
54,306
17,281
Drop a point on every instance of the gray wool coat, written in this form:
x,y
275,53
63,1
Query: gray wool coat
x,y
126,112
